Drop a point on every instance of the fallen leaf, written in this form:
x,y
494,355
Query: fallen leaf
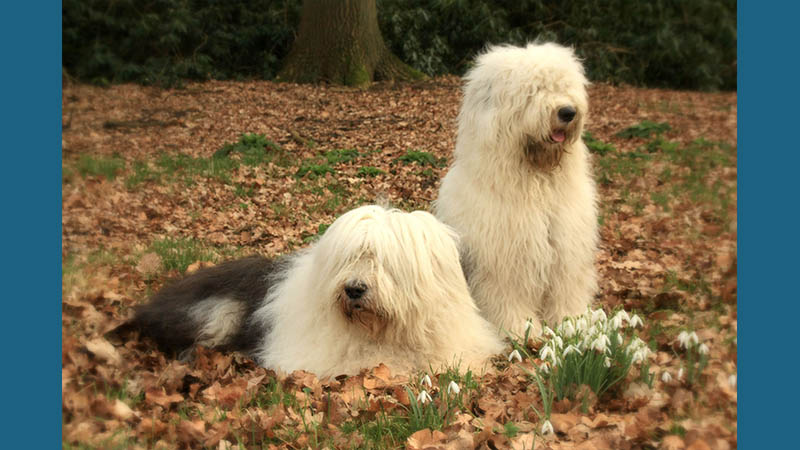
x,y
672,442
149,264
103,350
160,397
426,440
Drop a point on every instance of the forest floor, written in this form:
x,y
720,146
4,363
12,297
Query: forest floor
x,y
145,199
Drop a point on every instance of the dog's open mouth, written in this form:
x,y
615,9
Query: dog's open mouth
x,y
558,136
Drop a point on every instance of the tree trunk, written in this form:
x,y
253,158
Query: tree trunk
x,y
339,42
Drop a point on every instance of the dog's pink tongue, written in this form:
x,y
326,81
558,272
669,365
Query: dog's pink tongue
x,y
558,136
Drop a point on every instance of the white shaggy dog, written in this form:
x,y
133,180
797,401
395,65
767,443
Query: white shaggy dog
x,y
520,191
380,286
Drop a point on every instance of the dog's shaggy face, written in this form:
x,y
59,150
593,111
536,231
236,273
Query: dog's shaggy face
x,y
534,96
386,271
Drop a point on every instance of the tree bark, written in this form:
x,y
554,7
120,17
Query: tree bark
x,y
339,42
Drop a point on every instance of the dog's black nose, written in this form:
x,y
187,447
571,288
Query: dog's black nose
x,y
566,114
355,290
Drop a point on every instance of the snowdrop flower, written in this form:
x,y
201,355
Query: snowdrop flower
x,y
640,355
607,362
570,348
637,344
453,388
598,315
635,321
514,355
732,381
702,349
528,326
426,381
545,352
683,339
424,397
568,329
547,427
581,324
680,373
546,369
601,343
666,377
558,341
585,342
693,337
548,331
616,321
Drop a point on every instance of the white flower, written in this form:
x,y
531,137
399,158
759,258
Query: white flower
x,y
636,321
683,339
619,318
424,397
426,381
528,326
693,337
547,351
585,342
607,362
732,381
557,340
547,427
601,343
546,369
453,388
568,328
680,373
570,348
598,315
548,330
515,355
702,349
666,377
581,324
640,355
637,344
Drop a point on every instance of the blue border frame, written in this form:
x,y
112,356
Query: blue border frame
x,y
768,247
30,35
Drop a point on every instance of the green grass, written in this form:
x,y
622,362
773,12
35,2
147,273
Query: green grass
x,y
313,170
369,171
677,429
107,167
122,393
696,286
421,158
597,146
645,129
339,156
249,150
687,172
254,150
622,164
272,393
510,430
178,254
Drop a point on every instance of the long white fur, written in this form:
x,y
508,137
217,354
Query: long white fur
x,y
529,235
410,263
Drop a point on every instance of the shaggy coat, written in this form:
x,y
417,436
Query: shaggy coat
x,y
380,286
520,191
